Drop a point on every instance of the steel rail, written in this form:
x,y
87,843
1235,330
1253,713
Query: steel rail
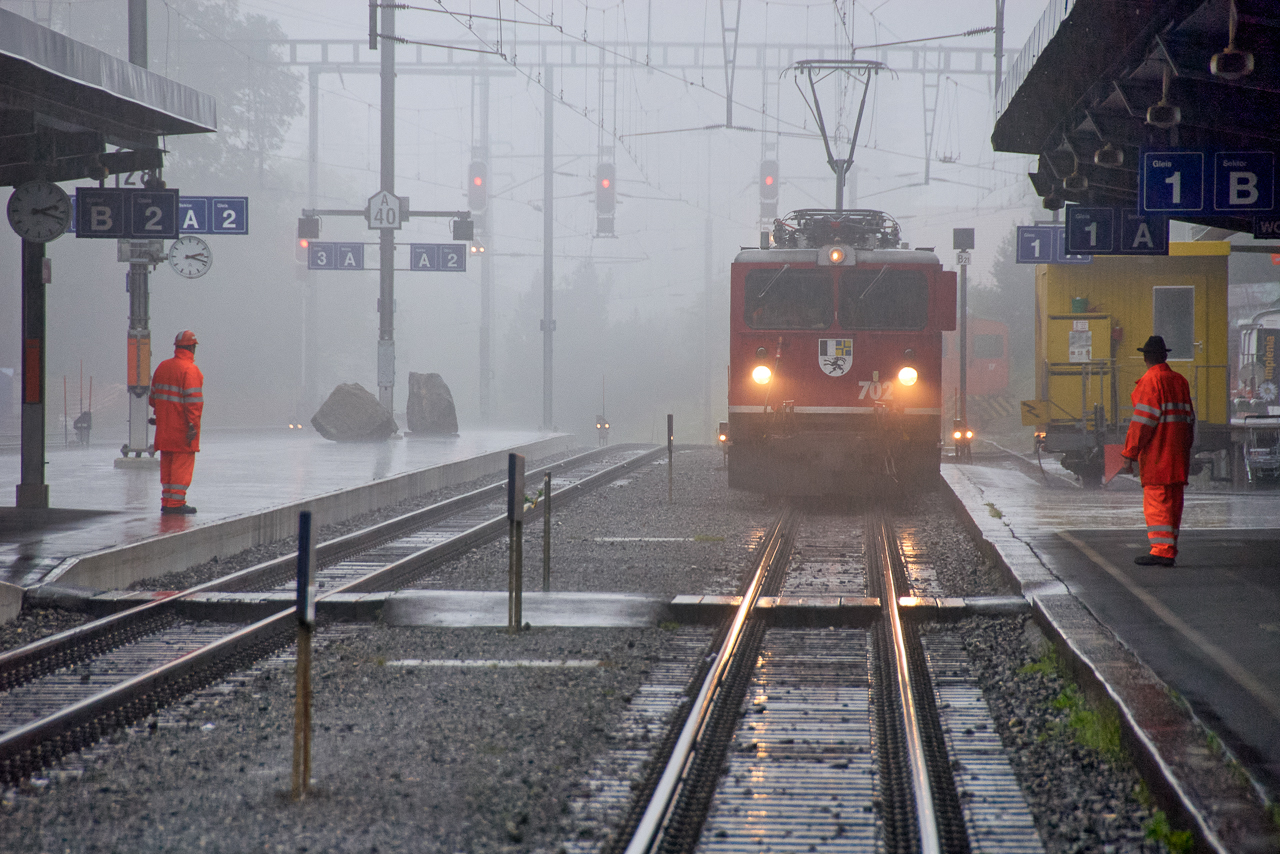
x,y
650,829
41,742
926,815
21,665
398,572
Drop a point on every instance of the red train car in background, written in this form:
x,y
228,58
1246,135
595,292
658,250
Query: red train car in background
x,y
835,356
988,369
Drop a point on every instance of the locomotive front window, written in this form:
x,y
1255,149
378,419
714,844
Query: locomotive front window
x,y
883,298
788,299
988,346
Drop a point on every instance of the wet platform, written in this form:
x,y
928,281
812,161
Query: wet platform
x,y
240,475
1208,628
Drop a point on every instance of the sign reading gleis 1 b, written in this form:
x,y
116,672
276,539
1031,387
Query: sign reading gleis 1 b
x,y
1207,182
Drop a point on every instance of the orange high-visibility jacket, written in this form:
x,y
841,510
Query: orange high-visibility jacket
x,y
177,395
1163,427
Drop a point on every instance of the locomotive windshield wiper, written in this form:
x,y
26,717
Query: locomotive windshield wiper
x,y
874,282
765,289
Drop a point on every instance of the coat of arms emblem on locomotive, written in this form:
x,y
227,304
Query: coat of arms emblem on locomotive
x,y
835,356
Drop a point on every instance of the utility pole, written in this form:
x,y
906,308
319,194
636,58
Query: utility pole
x,y
485,230
995,92
548,243
310,294
138,380
387,236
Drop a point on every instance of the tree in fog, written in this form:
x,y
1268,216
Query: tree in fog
x,y
215,48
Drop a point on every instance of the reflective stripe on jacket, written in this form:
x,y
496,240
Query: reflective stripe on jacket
x,y
177,395
1163,427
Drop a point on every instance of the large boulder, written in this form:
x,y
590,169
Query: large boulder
x,y
430,408
352,414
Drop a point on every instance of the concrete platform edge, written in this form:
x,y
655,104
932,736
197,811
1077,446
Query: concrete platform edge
x,y
121,566
10,601
1166,742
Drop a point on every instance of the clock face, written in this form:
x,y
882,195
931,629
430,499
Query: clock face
x,y
39,211
190,257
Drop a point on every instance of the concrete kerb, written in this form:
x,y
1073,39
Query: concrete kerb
x,y
1166,742
10,601
121,566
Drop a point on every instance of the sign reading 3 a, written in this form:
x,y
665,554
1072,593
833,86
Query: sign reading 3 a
x,y
123,213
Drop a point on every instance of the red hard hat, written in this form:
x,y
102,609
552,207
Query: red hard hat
x,y
186,338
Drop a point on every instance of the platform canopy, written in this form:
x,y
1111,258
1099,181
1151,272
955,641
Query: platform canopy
x,y
63,103
1092,68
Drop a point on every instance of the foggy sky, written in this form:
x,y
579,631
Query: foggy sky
x,y
638,320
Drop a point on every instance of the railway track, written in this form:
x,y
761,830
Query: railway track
x,y
828,739
67,691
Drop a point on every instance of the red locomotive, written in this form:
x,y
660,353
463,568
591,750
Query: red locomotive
x,y
835,356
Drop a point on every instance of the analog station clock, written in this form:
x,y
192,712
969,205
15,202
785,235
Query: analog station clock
x,y
39,211
190,257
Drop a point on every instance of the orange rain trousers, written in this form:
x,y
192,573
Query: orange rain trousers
x,y
1162,506
175,476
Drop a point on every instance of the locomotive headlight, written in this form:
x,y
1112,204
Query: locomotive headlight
x,y
762,374
908,376
836,254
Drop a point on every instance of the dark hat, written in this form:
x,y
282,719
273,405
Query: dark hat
x,y
1155,344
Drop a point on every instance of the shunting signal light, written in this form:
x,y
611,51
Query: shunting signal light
x,y
478,186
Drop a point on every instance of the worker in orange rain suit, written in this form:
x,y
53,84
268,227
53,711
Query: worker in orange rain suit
x,y
1159,438
177,395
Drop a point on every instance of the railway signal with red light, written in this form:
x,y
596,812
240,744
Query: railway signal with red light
x,y
606,197
478,186
768,189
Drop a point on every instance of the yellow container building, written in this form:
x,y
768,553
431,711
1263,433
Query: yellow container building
x,y
1090,320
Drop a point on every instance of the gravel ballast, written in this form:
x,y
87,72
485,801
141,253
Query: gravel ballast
x,y
436,758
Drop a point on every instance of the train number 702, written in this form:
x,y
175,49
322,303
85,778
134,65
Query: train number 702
x,y
875,390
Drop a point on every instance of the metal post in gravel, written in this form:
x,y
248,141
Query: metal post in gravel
x,y
515,530
546,533
671,438
302,696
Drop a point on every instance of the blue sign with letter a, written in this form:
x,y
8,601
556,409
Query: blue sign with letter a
x,y
438,257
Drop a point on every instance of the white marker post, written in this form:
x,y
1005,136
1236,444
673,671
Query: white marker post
x,y
515,523
302,696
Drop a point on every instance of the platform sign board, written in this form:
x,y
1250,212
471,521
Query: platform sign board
x,y
1244,181
1060,253
119,213
1207,182
1090,230
1143,234
1171,182
101,212
438,257
1116,231
335,256
153,214
228,215
1045,243
193,214
1036,244
1266,227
